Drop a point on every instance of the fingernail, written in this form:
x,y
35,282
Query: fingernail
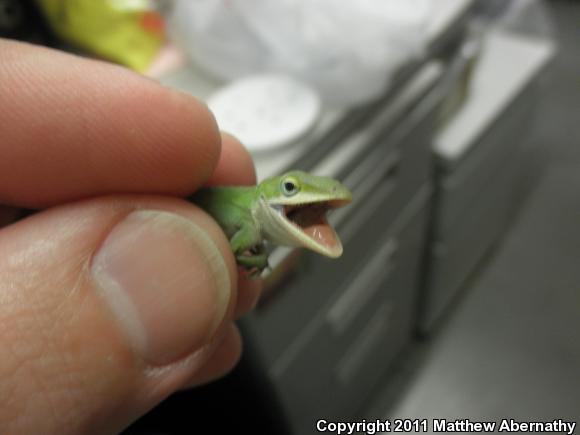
x,y
166,282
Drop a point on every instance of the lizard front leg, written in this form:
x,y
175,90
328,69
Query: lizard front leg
x,y
259,261
249,251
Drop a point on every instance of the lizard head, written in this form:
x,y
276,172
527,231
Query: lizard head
x,y
293,209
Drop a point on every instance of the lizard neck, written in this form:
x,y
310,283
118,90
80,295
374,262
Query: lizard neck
x,y
271,224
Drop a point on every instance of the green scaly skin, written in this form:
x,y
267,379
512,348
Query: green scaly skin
x,y
287,210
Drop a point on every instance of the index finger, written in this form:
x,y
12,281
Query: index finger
x,y
72,127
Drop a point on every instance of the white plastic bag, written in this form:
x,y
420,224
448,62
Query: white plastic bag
x,y
347,50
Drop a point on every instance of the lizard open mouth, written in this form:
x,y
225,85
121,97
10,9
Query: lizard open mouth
x,y
312,221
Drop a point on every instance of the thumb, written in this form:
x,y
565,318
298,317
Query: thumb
x,y
108,306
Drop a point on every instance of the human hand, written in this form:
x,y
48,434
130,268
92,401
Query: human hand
x,y
117,293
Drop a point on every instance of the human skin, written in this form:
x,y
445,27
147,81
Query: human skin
x,y
117,292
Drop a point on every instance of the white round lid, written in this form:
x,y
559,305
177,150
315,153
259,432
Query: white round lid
x,y
265,111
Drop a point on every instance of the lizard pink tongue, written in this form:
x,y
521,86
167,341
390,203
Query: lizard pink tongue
x,y
313,223
321,233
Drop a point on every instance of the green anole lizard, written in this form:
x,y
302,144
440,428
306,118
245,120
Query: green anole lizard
x,y
288,210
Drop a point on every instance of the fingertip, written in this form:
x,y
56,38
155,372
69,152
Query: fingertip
x,y
92,338
235,165
201,140
74,127
168,138
222,361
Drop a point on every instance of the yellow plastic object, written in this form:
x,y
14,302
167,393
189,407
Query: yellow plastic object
x,y
125,32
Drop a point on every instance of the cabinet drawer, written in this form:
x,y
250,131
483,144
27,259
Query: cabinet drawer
x,y
454,258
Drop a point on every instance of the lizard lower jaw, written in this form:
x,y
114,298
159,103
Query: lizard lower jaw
x,y
310,220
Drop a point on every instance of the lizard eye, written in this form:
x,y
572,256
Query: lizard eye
x,y
289,187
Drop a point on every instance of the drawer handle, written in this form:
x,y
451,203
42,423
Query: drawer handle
x,y
365,285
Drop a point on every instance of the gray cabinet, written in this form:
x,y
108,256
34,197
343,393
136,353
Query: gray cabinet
x,y
478,157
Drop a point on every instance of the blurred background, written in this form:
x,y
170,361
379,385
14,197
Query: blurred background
x,y
456,125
